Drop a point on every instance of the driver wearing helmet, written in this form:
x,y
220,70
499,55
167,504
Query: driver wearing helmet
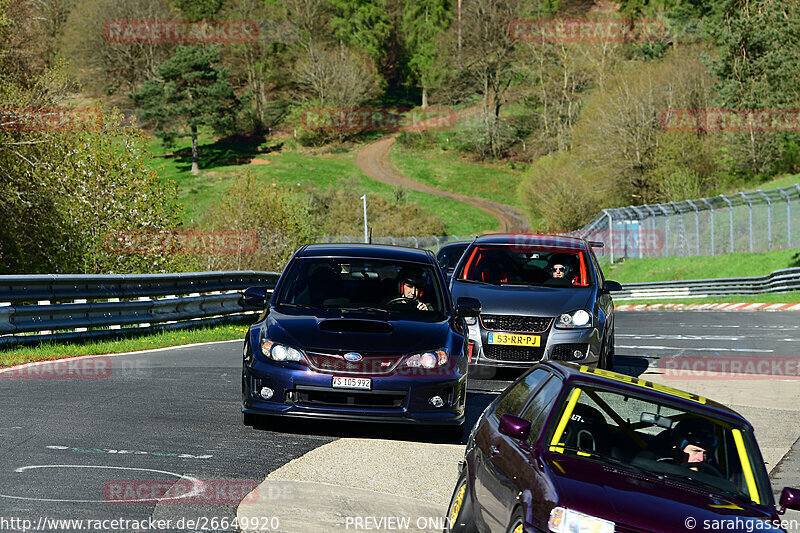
x,y
693,442
411,283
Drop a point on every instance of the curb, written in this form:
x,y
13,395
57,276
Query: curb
x,y
710,307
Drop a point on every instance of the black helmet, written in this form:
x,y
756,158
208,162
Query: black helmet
x,y
412,276
695,431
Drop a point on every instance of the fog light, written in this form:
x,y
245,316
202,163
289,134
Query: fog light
x,y
436,401
577,354
266,393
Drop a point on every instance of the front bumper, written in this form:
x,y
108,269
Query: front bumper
x,y
301,392
557,344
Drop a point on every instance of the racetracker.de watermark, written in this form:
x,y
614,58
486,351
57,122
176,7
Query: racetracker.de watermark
x,y
730,367
99,367
50,118
180,31
586,30
376,119
181,242
730,120
187,491
633,240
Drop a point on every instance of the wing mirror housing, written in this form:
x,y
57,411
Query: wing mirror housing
x,y
515,427
790,499
254,297
611,286
468,307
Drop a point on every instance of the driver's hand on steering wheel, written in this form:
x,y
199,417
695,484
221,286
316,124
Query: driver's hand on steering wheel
x,y
422,306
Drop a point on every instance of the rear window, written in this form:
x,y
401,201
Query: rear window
x,y
525,265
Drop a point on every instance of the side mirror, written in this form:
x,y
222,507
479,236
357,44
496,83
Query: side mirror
x,y
515,427
611,286
790,499
468,307
255,297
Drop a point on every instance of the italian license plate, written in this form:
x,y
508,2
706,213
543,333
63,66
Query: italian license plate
x,y
351,383
515,339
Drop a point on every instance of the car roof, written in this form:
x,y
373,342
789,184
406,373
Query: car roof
x,y
539,239
456,244
370,251
574,372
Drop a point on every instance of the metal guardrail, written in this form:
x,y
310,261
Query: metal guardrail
x,y
39,308
779,281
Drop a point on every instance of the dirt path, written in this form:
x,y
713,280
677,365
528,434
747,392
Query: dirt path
x,y
373,159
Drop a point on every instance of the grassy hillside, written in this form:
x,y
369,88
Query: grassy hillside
x,y
306,171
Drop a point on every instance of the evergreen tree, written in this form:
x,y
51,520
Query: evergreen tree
x,y
191,92
423,22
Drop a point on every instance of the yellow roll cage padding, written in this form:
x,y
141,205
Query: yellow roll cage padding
x,y
642,383
746,467
562,424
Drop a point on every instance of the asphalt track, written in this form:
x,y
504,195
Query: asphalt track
x,y
173,414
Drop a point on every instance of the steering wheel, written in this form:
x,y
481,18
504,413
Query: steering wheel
x,y
704,468
402,300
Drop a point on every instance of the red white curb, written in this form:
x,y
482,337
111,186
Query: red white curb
x,y
710,307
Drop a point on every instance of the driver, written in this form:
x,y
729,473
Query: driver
x,y
411,284
693,441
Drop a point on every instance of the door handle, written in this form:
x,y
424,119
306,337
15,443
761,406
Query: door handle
x,y
494,450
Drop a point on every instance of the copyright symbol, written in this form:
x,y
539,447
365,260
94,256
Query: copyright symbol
x,y
690,523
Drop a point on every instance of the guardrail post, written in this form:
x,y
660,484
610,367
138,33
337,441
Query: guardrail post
x,y
730,217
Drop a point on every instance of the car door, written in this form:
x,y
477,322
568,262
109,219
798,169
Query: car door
x,y
605,305
491,481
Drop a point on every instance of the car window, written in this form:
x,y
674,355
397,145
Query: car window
x,y
358,283
659,438
527,265
539,406
517,394
448,257
600,277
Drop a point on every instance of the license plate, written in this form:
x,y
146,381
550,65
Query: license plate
x,y
515,339
351,383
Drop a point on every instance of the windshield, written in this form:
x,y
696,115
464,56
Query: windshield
x,y
365,285
449,255
663,440
525,265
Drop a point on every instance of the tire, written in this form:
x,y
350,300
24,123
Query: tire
x,y
610,352
516,525
460,518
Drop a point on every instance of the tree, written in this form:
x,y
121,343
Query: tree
x,y
423,22
362,23
105,67
191,92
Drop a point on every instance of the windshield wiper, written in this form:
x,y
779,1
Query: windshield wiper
x,y
363,309
295,306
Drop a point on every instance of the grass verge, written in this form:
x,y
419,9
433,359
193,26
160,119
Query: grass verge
x,y
699,267
49,351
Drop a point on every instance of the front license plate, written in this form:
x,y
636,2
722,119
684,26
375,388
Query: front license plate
x,y
515,339
352,383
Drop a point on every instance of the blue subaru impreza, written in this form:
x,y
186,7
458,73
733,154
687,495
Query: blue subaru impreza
x,y
358,332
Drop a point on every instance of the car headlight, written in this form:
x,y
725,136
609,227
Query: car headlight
x,y
280,352
564,520
428,359
471,320
575,319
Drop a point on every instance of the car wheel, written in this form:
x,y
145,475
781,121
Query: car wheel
x,y
516,525
459,517
610,352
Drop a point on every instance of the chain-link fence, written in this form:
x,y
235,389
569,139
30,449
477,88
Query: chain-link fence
x,y
757,221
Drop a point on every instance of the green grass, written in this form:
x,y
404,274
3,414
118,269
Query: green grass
x,y
447,171
300,170
784,297
49,351
699,267
786,181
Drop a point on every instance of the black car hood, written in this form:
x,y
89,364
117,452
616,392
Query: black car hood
x,y
639,502
358,334
530,301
